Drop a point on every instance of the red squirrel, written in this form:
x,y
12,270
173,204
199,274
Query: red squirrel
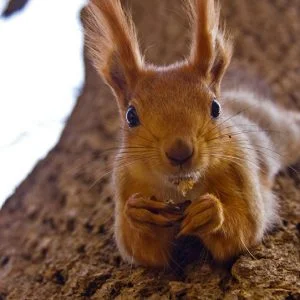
x,y
185,139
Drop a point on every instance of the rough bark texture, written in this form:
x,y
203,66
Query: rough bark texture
x,y
56,230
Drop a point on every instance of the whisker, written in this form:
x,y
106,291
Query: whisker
x,y
120,166
136,135
247,249
137,155
233,158
228,119
260,149
242,132
127,147
151,133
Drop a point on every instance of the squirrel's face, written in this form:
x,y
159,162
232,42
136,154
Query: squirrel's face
x,y
169,115
170,125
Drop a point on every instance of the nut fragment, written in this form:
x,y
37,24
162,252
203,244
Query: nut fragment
x,y
185,186
170,202
178,207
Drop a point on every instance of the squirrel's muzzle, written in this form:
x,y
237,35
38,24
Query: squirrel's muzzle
x,y
179,152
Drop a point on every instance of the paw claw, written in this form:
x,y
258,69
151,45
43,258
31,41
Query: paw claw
x,y
202,217
149,212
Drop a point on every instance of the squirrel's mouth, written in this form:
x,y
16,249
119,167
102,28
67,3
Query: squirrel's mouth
x,y
185,182
177,179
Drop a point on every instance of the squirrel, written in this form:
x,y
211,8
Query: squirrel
x,y
193,160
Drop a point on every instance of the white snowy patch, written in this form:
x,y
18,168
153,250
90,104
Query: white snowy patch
x,y
41,73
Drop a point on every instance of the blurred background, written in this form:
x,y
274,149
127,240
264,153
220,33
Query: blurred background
x,y
41,74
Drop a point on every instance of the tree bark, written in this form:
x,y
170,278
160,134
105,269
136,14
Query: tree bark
x,y
56,230
13,6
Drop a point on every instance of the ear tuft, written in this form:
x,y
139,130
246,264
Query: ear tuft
x,y
211,48
113,47
223,55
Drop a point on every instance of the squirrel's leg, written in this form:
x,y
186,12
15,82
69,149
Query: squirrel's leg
x,y
145,231
226,230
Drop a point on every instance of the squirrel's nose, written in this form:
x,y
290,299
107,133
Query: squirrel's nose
x,y
180,152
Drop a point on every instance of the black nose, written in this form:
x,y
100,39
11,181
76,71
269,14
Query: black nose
x,y
179,152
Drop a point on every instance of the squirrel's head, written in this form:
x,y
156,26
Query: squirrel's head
x,y
169,114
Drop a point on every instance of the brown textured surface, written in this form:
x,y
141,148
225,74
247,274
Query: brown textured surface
x,y
56,230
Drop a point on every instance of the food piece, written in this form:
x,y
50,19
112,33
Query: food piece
x,y
174,207
185,186
178,208
171,202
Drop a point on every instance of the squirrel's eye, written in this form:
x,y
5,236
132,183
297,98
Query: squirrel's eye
x,y
132,117
215,109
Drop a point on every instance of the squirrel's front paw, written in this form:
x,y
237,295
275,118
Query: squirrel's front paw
x,y
203,216
143,213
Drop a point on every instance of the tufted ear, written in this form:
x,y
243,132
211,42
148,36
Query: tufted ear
x,y
113,47
211,48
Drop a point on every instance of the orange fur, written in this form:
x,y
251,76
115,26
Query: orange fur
x,y
232,201
211,48
113,46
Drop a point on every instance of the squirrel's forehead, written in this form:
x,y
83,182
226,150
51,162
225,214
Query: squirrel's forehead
x,y
170,85
173,112
170,95
177,97
171,101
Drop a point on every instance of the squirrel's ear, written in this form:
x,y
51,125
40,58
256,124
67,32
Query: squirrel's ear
x,y
211,48
113,47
